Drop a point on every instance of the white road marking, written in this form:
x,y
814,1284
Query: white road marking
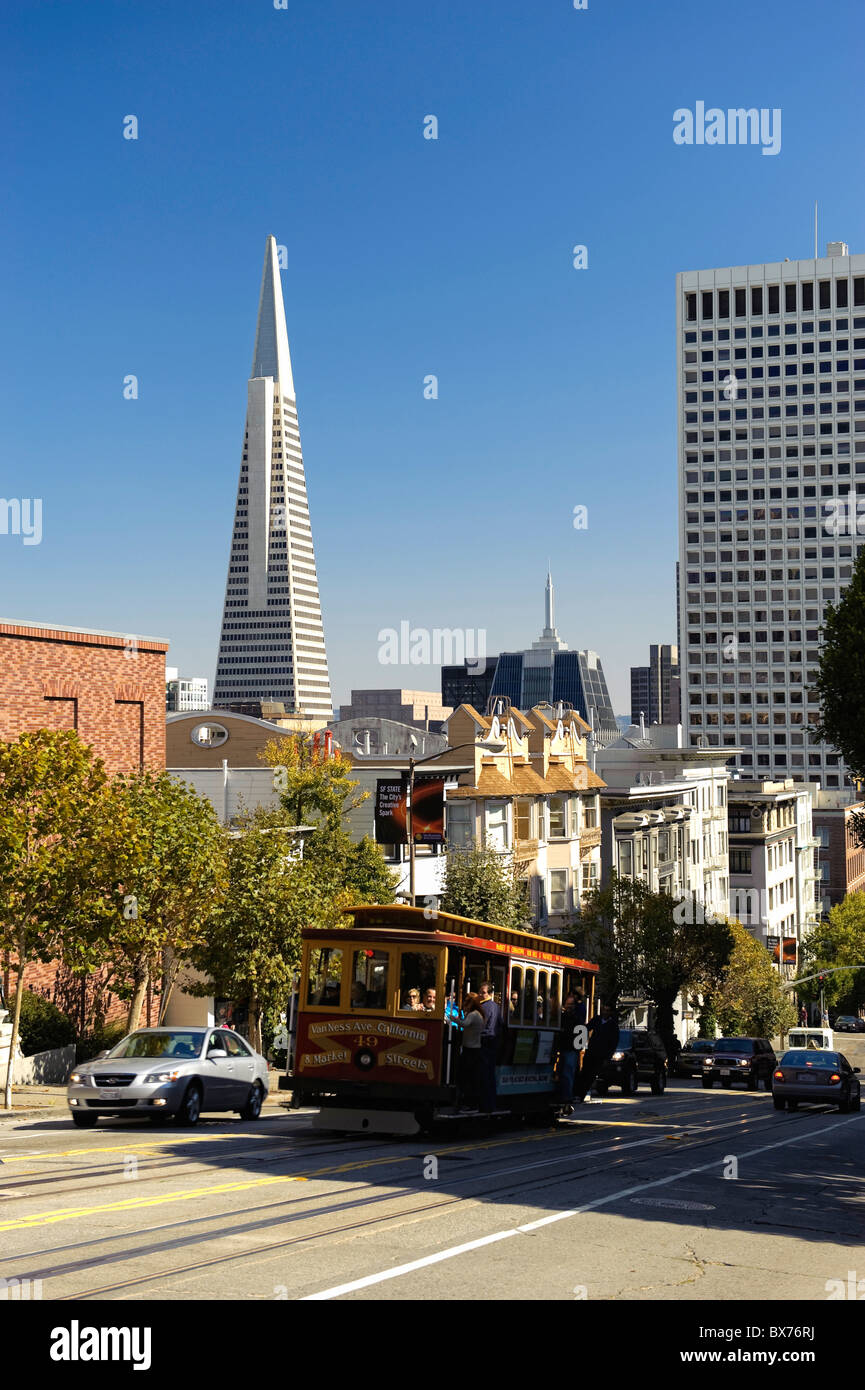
x,y
399,1270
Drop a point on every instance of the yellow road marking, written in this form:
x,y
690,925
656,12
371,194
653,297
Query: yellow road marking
x,y
129,1148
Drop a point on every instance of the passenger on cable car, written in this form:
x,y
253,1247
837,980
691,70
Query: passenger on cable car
x,y
490,1039
411,1000
470,1054
358,995
428,1002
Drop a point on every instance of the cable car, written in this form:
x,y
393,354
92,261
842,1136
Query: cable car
x,y
374,1031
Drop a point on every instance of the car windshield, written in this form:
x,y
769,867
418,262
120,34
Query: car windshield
x,y
801,1058
165,1043
698,1045
626,1038
734,1045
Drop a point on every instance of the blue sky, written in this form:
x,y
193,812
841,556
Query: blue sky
x,y
406,257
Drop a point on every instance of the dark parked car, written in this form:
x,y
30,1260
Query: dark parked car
x,y
849,1023
740,1059
693,1054
815,1076
640,1056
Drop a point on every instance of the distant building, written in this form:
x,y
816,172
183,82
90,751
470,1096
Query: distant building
x,y
370,737
655,692
184,693
772,871
840,859
469,684
423,709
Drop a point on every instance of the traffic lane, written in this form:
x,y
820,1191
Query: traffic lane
x,y
73,1246
631,1243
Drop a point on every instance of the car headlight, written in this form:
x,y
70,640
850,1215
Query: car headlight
x,y
617,1056
77,1076
158,1077
707,1061
744,1062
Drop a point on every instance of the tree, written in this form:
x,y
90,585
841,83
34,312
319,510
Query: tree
x,y
50,788
647,946
840,682
483,884
252,945
161,858
838,940
312,783
750,1000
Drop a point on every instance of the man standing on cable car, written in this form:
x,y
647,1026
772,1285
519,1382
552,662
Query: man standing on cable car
x,y
490,1041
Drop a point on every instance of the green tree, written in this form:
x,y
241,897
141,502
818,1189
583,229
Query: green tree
x,y
649,945
483,884
161,857
838,940
312,784
50,789
750,1001
840,682
252,945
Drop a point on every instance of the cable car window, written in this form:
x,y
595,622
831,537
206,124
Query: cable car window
x,y
515,1002
417,976
369,979
325,976
542,1010
555,1018
530,998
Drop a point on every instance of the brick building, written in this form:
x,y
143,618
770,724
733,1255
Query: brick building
x,y
110,688
840,858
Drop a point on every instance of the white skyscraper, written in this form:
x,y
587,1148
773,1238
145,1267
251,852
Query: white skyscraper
x,y
271,646
771,373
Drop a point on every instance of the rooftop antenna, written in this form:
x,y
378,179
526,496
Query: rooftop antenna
x,y
815,229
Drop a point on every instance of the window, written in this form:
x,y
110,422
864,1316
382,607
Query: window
x,y
558,890
515,998
523,819
740,861
208,735
626,861
460,823
558,817
369,972
325,976
497,825
417,975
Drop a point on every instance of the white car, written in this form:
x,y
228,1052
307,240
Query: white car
x,y
170,1071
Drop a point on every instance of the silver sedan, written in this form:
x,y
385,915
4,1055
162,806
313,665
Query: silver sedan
x,y
170,1071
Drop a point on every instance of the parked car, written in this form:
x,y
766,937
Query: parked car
x,y
640,1056
693,1054
740,1059
170,1071
849,1023
804,1074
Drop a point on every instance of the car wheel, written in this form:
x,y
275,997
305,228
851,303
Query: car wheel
x,y
844,1105
659,1081
708,1083
630,1083
601,1088
190,1107
252,1109
753,1081
84,1119
792,1105
778,1102
857,1103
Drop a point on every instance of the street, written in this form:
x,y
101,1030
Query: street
x,y
691,1195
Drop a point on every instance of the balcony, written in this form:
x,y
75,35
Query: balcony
x,y
524,850
590,838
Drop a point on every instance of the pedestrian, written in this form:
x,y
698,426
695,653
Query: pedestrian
x,y
490,1042
470,1053
603,1041
674,1047
803,1015
568,1054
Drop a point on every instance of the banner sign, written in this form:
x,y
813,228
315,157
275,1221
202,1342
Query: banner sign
x,y
391,816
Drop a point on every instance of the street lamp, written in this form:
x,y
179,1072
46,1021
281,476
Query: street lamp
x,y
489,745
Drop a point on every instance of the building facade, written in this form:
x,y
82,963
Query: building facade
x,y
771,389
772,873
840,861
271,645
655,688
423,709
185,693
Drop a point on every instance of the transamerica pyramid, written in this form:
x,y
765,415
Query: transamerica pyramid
x,y
271,647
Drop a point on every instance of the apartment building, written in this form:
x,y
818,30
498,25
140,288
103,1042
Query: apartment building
x,y
772,874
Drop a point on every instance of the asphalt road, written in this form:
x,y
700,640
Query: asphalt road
x,y
691,1195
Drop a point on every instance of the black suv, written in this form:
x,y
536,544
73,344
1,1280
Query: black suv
x,y
640,1056
690,1060
740,1059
